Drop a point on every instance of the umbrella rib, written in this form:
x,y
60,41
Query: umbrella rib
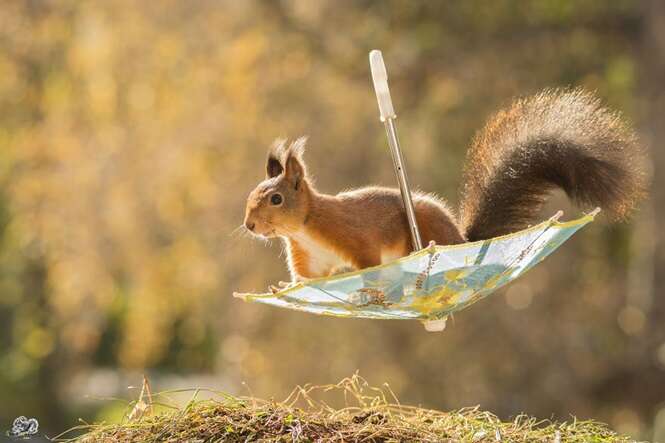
x,y
331,295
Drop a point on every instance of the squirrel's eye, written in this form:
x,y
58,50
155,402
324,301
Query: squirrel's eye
x,y
276,199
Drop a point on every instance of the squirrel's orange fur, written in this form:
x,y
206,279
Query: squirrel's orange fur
x,y
555,139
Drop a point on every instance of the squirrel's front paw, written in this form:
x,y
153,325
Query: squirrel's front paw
x,y
281,286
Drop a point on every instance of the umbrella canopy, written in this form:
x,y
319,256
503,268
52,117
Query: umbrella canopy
x,y
431,283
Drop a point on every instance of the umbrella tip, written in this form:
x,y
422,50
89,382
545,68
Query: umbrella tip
x,y
435,325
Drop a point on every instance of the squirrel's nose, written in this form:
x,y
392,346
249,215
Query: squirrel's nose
x,y
250,225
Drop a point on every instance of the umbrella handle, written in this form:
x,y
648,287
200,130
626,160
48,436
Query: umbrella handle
x,y
388,116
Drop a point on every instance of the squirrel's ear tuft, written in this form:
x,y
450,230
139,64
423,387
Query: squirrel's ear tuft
x,y
297,148
274,166
295,166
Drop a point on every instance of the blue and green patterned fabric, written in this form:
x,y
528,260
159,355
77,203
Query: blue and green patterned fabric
x,y
428,284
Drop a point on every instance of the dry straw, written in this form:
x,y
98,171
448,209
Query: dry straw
x,y
370,415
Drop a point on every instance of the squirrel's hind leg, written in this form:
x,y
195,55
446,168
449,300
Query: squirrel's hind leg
x,y
437,223
342,269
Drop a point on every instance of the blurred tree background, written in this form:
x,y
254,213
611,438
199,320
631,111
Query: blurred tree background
x,y
132,132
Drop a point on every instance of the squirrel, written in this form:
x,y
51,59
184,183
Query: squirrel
x,y
556,139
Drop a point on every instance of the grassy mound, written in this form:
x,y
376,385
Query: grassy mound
x,y
370,417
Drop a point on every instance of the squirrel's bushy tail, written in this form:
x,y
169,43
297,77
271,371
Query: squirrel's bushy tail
x,y
558,138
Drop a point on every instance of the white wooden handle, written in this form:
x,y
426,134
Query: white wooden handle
x,y
380,79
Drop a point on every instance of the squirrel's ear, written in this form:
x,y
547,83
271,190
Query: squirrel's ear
x,y
274,166
295,167
294,171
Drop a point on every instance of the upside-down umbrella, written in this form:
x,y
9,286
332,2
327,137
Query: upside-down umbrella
x,y
432,282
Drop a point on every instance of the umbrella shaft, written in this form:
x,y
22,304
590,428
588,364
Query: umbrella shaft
x,y
398,162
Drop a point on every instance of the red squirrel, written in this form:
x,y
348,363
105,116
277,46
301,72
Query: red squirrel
x,y
558,138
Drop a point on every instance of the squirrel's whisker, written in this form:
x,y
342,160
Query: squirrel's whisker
x,y
238,231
